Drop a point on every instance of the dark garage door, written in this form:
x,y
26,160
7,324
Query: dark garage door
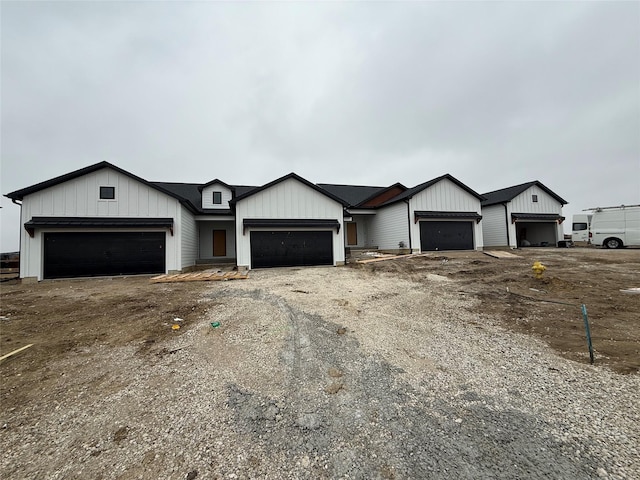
x,y
289,249
446,236
103,253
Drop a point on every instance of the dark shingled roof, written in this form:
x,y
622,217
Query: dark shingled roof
x,y
188,194
352,195
187,191
505,195
243,189
192,193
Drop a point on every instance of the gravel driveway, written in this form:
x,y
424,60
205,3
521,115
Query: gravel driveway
x,y
329,373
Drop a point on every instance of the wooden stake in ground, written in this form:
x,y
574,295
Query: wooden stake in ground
x,y
15,351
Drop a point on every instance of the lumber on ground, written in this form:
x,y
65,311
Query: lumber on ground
x,y
500,254
15,351
388,257
199,277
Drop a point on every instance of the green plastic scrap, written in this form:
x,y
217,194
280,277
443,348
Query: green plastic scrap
x,y
215,324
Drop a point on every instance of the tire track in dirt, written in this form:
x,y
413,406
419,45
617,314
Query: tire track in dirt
x,y
377,426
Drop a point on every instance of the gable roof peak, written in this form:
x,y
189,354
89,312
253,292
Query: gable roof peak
x,y
418,188
213,182
20,194
522,187
507,194
289,176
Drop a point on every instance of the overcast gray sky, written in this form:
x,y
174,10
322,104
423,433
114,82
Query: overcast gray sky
x,y
494,93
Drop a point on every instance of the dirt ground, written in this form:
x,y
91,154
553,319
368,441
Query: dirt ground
x,y
70,314
324,373
509,291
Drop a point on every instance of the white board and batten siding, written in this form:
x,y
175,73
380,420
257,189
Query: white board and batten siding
x,y
444,196
496,219
494,226
524,203
289,199
390,227
189,237
80,197
207,196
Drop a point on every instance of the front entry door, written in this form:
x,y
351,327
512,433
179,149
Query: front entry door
x,y
219,243
352,233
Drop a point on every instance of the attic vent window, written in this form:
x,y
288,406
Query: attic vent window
x,y
217,198
107,193
534,198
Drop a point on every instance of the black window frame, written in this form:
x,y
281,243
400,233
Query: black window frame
x,y
107,193
534,198
217,196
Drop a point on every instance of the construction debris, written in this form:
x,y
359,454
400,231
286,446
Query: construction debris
x,y
387,257
631,290
15,351
500,254
200,277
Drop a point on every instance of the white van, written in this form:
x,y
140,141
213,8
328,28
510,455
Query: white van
x,y
616,227
580,228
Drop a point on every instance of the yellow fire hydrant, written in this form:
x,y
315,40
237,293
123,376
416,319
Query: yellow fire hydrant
x,y
538,269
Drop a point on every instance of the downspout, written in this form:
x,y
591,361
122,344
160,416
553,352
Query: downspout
x,y
506,219
15,202
406,200
232,207
345,212
198,237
